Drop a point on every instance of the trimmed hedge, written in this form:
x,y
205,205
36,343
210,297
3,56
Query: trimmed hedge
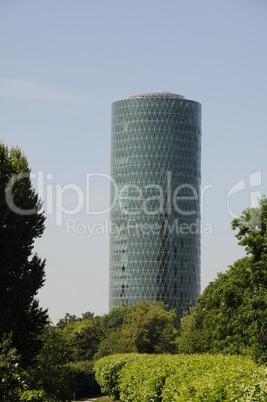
x,y
144,378
217,378
184,378
107,370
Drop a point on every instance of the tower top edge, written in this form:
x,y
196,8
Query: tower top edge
x,y
156,95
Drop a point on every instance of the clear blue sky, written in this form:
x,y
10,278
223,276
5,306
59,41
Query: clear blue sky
x,y
62,64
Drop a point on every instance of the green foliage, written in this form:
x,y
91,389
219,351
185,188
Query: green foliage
x,y
111,325
68,319
231,315
216,378
145,328
21,271
51,371
143,379
11,376
149,329
33,396
182,378
252,233
89,316
107,370
116,317
62,366
71,318
14,382
110,345
55,372
82,379
84,338
195,335
197,329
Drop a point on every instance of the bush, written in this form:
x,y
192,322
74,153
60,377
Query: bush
x,y
82,379
33,396
143,379
11,375
109,346
107,370
182,378
216,378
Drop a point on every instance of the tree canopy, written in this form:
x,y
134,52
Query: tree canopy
x,y
231,315
84,338
145,328
149,329
21,271
116,317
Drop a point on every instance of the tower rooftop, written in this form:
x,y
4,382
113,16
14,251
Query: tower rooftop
x,y
156,95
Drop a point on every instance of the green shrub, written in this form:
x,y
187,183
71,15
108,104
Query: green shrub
x,y
143,379
216,378
133,377
107,370
33,396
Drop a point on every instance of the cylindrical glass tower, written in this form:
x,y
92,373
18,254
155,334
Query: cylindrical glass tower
x,y
155,200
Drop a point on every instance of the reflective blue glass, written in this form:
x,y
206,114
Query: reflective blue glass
x,y
155,198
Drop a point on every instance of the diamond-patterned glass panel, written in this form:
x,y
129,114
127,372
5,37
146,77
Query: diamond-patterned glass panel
x,y
155,237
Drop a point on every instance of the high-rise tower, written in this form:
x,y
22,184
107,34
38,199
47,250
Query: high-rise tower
x,y
155,200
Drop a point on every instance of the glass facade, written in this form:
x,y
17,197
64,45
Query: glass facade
x,y
155,199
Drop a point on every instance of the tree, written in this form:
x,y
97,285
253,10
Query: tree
x,y
209,323
69,318
11,378
21,272
116,317
56,372
83,338
231,315
110,345
111,325
252,231
89,316
51,372
149,329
